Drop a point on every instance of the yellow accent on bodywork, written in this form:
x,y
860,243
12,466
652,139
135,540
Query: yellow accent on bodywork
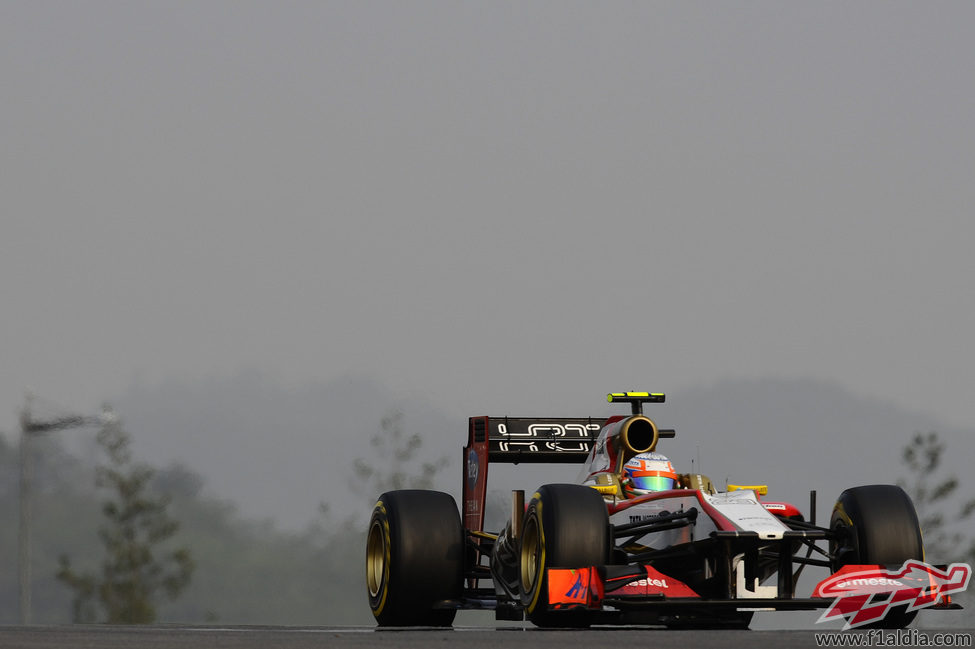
x,y
760,489
483,535
608,484
613,395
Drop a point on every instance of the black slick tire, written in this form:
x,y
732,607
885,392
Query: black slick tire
x,y
414,558
876,524
565,526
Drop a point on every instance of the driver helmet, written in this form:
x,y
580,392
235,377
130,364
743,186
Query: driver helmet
x,y
647,472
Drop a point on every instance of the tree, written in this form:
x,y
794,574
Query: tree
x,y
931,492
397,461
392,465
136,524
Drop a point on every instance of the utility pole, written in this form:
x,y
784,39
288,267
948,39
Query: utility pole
x,y
30,428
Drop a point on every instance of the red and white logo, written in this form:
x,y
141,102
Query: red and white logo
x,y
657,583
864,594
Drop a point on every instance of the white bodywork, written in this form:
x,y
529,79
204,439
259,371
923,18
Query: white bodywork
x,y
741,508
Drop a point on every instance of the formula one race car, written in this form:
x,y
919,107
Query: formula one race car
x,y
676,553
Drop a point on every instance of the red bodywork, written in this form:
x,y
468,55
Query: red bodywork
x,y
583,587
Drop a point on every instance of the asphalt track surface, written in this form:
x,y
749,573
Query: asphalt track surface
x,y
176,637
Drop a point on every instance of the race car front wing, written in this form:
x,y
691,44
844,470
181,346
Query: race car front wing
x,y
629,591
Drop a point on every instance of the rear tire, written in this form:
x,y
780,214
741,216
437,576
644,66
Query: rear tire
x,y
876,524
414,558
565,526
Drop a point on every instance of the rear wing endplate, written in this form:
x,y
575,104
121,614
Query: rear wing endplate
x,y
518,440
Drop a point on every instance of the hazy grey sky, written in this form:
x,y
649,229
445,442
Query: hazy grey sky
x,y
503,206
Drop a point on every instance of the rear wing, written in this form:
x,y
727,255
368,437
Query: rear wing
x,y
518,440
522,439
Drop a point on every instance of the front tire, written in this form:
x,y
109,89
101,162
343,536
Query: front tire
x,y
565,526
414,558
876,524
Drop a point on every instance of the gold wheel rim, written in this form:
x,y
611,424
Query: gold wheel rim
x,y
375,559
530,548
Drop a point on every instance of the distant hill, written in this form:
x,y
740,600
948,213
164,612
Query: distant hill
x,y
800,434
276,451
267,455
279,451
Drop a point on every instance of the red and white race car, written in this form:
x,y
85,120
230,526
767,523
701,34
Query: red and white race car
x,y
591,552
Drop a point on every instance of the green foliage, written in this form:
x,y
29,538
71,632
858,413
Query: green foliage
x,y
246,571
932,492
136,524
